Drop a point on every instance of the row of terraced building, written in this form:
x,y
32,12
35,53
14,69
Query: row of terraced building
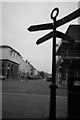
x,y
13,66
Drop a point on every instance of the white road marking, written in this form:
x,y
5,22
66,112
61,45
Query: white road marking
x,y
36,95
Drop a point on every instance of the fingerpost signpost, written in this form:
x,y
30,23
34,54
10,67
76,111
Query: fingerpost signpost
x,y
53,34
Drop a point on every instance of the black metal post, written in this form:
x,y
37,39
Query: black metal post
x,y
52,114
75,14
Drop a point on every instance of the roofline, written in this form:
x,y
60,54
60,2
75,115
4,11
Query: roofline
x,y
76,24
9,60
7,46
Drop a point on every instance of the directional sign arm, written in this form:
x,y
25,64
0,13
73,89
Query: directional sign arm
x,y
60,22
68,18
40,27
55,34
64,37
45,38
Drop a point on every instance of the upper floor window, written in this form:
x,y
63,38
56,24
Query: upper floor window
x,y
72,51
12,54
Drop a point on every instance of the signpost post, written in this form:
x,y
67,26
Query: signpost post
x,y
54,34
52,114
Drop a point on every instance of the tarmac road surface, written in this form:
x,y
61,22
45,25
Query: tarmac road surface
x,y
31,99
18,105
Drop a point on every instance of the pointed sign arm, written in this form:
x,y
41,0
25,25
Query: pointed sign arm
x,y
45,38
55,34
60,22
45,26
68,18
64,37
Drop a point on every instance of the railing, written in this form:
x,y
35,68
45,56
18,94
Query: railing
x,y
71,54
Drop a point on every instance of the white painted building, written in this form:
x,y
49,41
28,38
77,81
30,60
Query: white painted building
x,y
9,61
12,64
23,69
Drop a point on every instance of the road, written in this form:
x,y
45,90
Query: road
x,y
31,99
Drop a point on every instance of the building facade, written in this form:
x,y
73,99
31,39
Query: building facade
x,y
24,69
13,66
9,61
70,53
32,72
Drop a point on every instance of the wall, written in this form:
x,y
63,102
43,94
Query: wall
x,y
10,59
14,56
10,54
23,69
4,53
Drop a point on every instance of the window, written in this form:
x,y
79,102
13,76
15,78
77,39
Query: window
x,y
12,54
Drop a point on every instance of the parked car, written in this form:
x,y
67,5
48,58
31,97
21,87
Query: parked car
x,y
49,78
30,77
2,77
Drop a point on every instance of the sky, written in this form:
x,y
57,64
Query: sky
x,y
18,16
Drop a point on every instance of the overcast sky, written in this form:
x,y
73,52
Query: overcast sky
x,y
18,16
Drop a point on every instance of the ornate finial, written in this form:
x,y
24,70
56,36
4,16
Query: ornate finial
x,y
54,13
